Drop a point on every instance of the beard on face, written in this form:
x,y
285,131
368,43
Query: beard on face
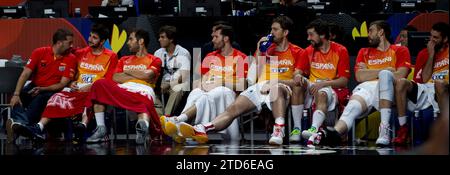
x,y
66,51
438,46
218,45
133,49
276,40
316,45
374,42
95,46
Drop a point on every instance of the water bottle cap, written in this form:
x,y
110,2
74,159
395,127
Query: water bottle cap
x,y
270,37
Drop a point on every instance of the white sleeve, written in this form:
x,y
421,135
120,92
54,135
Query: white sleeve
x,y
183,63
188,55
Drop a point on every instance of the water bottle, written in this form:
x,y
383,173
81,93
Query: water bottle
x,y
266,44
305,120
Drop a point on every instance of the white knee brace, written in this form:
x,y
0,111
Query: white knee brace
x,y
351,111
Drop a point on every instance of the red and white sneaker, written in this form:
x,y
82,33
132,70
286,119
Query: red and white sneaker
x,y
314,139
277,135
197,132
402,136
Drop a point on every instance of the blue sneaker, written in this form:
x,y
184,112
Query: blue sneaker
x,y
33,131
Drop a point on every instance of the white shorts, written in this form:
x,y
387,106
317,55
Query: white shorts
x,y
332,100
212,103
369,91
253,93
425,98
219,98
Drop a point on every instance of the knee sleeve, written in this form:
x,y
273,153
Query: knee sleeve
x,y
386,85
351,111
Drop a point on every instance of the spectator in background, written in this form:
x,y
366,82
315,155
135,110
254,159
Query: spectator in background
x,y
176,63
117,2
402,38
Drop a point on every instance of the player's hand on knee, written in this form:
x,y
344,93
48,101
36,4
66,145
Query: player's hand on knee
x,y
316,87
15,100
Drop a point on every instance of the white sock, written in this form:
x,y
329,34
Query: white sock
x,y
41,126
84,111
279,121
100,118
297,115
318,118
385,115
182,118
209,126
402,120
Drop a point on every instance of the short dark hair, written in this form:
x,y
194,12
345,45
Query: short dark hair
x,y
381,24
321,27
216,23
226,30
285,22
141,34
441,27
101,30
170,31
61,35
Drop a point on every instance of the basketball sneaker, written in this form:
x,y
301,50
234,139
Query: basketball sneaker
x,y
100,135
295,135
402,136
277,135
384,137
308,133
197,132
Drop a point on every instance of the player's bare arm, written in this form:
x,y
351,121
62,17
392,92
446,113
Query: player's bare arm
x,y
122,77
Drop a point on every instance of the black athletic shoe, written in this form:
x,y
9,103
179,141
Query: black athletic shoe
x,y
79,130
